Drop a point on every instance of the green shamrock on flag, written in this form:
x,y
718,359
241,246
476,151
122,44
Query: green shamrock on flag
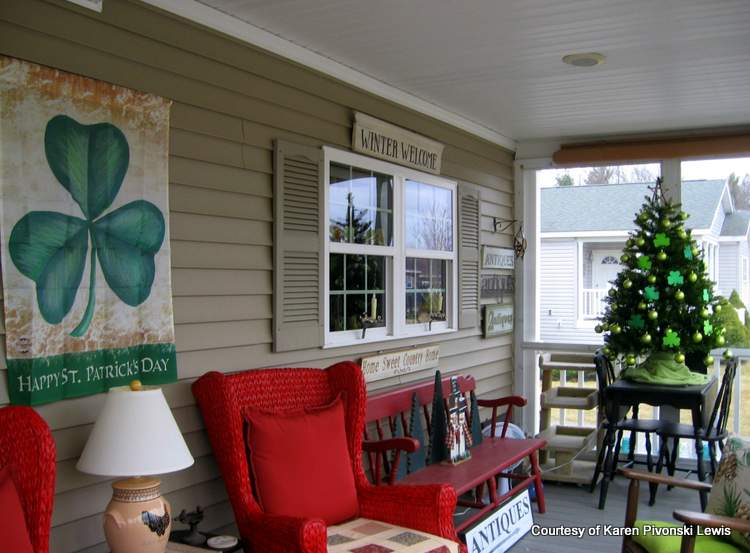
x,y
644,262
708,328
688,252
661,239
675,278
50,248
651,293
671,339
636,321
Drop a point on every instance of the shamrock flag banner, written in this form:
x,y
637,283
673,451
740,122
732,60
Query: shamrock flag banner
x,y
85,242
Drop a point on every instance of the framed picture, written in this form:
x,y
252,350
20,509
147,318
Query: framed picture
x,y
498,319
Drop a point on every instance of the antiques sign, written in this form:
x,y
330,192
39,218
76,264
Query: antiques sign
x,y
378,367
496,286
498,319
498,258
502,528
85,239
379,139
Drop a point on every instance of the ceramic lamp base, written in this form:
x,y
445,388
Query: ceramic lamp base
x,y
138,519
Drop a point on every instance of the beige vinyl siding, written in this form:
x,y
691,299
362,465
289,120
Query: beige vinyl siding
x,y
231,101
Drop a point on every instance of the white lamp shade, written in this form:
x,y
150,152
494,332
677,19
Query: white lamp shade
x,y
135,435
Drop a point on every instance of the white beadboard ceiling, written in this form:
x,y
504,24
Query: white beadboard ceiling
x,y
671,64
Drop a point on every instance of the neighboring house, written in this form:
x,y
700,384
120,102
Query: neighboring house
x,y
583,231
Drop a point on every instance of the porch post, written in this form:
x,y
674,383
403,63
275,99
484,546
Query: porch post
x,y
526,298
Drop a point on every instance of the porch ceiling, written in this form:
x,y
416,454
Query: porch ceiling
x,y
671,64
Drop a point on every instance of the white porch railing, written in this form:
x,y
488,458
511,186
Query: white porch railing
x,y
593,302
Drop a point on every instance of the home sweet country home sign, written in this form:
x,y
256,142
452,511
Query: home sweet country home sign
x,y
379,139
378,367
85,236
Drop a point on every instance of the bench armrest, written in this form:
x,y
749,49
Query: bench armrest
x,y
664,479
516,401
707,520
409,445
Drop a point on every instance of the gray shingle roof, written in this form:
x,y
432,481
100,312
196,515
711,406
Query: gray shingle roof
x,y
736,224
613,206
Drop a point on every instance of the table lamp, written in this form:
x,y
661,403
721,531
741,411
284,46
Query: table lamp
x,y
136,434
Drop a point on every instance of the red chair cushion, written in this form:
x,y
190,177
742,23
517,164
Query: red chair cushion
x,y
300,463
15,536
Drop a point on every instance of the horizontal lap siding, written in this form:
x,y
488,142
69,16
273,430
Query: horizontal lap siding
x,y
729,268
230,103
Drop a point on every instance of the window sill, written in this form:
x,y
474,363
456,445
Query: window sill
x,y
381,339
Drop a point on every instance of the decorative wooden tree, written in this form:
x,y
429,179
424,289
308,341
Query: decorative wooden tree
x,y
438,427
418,459
476,423
399,432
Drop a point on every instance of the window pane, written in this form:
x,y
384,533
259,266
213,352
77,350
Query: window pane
x,y
360,206
354,281
429,220
355,272
426,287
336,272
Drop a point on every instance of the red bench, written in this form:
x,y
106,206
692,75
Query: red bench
x,y
490,460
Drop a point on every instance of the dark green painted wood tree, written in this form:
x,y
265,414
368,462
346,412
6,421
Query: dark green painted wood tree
x,y
418,459
438,430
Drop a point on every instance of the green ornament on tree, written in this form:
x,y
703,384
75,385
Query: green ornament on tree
x,y
653,314
616,329
612,292
665,223
708,360
644,262
688,252
708,328
598,329
636,321
706,295
695,251
675,278
705,313
624,258
720,341
651,279
682,234
692,277
661,240
727,354
640,242
680,357
630,360
646,338
717,308
671,339
683,215
651,293
679,295
627,283
661,256
642,306
697,337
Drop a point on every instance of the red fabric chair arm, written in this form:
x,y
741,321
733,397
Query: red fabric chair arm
x,y
516,401
409,445
426,508
281,534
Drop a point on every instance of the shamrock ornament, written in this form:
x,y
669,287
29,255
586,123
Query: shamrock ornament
x,y
671,339
675,278
50,248
651,293
636,321
688,252
644,262
708,328
661,239
706,297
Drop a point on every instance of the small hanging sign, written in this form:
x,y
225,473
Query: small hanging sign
x,y
498,319
382,140
498,258
395,363
496,286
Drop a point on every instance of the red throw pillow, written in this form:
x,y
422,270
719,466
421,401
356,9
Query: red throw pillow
x,y
301,465
15,536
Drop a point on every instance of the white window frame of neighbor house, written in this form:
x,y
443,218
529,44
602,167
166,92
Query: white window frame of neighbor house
x,y
583,321
396,326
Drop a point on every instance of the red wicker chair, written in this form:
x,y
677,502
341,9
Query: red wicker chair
x,y
28,450
222,399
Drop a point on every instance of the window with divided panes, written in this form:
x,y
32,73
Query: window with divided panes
x,y
390,250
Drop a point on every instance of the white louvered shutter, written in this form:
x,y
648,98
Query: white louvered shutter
x,y
298,313
468,256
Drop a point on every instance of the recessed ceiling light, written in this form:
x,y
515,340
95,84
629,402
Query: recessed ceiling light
x,y
589,59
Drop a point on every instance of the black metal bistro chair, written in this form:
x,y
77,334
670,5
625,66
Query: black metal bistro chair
x,y
614,426
716,429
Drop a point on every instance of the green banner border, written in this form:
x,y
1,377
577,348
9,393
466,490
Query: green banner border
x,y
44,379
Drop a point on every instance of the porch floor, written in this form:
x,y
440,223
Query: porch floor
x,y
571,505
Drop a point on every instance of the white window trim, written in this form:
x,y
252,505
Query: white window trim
x,y
395,309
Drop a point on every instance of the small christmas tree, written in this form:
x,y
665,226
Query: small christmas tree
x,y
662,306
